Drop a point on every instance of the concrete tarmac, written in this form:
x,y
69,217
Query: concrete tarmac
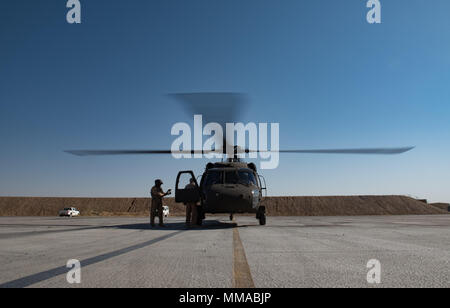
x,y
413,251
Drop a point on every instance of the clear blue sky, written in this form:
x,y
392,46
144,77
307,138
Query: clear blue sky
x,y
317,67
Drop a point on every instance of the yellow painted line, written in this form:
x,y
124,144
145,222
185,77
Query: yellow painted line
x,y
242,277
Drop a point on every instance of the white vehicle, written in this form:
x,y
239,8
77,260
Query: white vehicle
x,y
166,211
69,212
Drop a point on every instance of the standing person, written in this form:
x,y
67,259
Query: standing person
x,y
191,207
157,195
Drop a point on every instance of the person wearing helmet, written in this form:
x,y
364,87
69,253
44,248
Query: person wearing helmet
x,y
157,195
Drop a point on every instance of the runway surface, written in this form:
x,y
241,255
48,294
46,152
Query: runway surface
x,y
414,251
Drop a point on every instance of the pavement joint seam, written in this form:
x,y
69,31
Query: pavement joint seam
x,y
242,276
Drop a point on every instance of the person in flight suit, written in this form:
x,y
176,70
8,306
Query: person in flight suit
x,y
191,207
157,195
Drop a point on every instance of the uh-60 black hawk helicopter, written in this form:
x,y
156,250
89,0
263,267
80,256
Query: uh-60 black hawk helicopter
x,y
230,186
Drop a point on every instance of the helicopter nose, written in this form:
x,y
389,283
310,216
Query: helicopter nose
x,y
230,196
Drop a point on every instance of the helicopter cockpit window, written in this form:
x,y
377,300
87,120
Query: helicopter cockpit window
x,y
247,177
213,177
231,177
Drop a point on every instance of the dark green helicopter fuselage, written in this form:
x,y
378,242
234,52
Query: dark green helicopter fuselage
x,y
231,187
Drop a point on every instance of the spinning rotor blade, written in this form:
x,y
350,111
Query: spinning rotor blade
x,y
225,108
367,151
215,107
221,108
130,152
373,151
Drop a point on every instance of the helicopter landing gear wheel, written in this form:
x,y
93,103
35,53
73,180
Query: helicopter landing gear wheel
x,y
231,217
200,215
262,219
261,215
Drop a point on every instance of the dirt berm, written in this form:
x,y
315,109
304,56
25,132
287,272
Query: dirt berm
x,y
276,206
442,206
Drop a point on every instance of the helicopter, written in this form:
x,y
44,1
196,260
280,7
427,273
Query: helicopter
x,y
227,187
231,186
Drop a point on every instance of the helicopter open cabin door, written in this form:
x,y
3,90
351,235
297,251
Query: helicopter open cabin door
x,y
185,192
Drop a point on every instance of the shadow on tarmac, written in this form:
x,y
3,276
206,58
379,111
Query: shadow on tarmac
x,y
207,225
